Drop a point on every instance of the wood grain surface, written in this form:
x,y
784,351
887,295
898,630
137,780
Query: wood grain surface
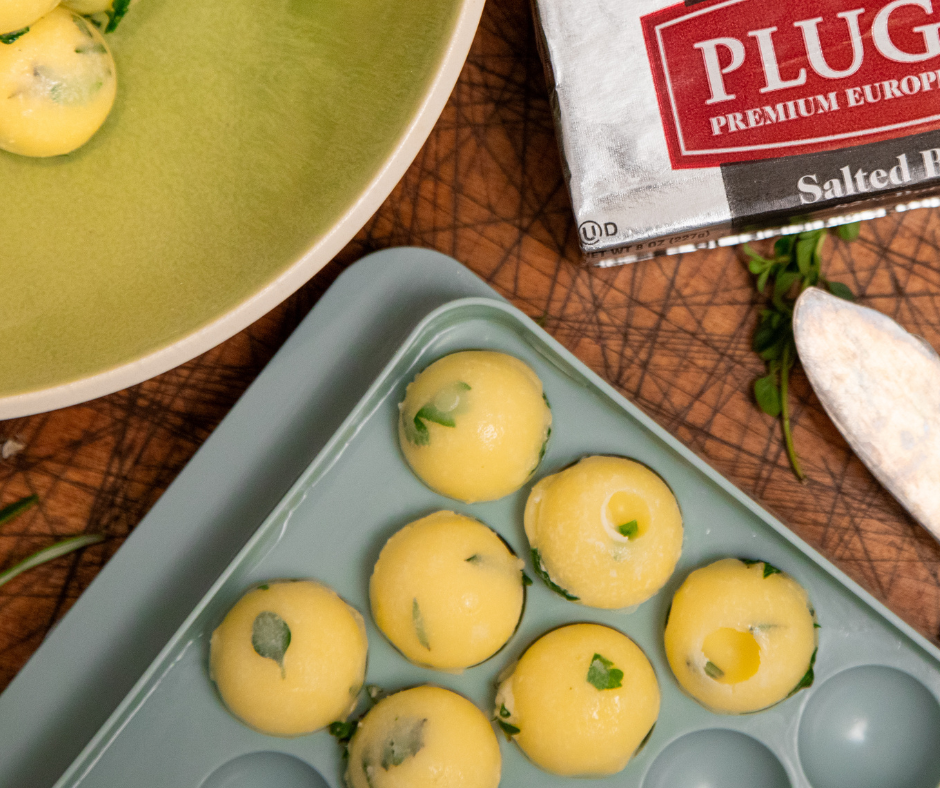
x,y
673,334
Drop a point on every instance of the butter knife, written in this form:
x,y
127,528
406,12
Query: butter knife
x,y
880,385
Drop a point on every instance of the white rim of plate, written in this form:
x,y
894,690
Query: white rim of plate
x,y
276,291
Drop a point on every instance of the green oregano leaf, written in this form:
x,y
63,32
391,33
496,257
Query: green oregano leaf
x,y
405,741
503,711
543,574
629,530
713,671
270,637
509,729
840,290
767,394
264,587
419,624
769,569
603,675
808,678
9,38
116,14
16,508
526,580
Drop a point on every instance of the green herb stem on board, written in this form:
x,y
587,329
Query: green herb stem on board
x,y
45,555
795,266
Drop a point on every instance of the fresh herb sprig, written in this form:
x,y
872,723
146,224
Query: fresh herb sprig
x,y
45,555
796,264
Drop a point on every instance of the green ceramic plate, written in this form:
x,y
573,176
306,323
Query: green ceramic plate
x,y
247,145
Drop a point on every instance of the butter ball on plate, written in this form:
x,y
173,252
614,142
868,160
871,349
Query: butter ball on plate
x,y
741,636
606,532
289,658
580,701
57,85
474,425
447,591
15,15
424,737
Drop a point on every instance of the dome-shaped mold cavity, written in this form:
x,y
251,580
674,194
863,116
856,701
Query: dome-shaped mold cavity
x,y
716,757
270,769
871,727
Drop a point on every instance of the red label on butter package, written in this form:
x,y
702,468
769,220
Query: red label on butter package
x,y
741,80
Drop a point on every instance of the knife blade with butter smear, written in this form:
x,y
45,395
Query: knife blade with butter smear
x,y
880,385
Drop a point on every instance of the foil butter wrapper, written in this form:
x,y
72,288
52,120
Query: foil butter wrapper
x,y
705,124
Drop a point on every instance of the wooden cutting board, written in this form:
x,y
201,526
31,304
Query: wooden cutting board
x,y
673,334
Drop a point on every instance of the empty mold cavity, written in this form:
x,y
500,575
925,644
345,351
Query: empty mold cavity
x,y
268,769
716,758
871,727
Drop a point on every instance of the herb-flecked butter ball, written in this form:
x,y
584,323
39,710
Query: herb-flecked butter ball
x,y
474,425
605,532
741,636
15,15
289,658
57,85
425,737
580,701
447,591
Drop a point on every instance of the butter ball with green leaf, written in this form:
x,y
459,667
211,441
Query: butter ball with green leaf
x,y
474,425
580,702
289,658
605,532
57,86
741,636
447,591
424,737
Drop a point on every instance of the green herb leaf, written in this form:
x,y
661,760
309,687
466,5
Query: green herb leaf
x,y
840,290
629,530
17,508
9,38
270,637
808,678
419,624
849,232
47,554
508,729
476,558
769,570
446,404
540,571
712,670
264,587
406,741
503,711
343,731
116,14
375,692
767,394
603,675
526,580
644,742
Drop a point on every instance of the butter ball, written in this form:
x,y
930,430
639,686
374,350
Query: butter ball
x,y
447,591
474,425
289,658
57,85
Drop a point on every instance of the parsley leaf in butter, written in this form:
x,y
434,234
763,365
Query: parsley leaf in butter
x,y
808,678
419,624
713,671
543,574
343,731
476,558
603,675
116,14
9,38
406,741
629,530
509,729
270,637
769,569
442,409
503,711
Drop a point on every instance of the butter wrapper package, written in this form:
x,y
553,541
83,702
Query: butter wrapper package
x,y
709,123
